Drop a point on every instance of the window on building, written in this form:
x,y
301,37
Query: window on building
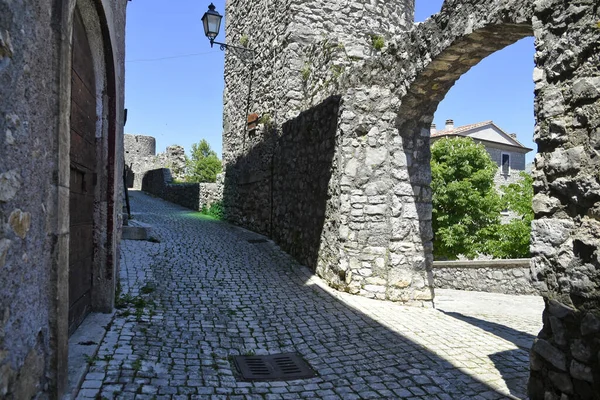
x,y
505,164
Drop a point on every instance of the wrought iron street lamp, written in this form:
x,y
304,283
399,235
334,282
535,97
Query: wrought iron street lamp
x,y
212,24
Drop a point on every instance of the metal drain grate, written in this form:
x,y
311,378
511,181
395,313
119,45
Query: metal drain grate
x,y
254,241
276,367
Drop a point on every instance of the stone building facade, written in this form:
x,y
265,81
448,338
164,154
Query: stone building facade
x,y
374,225
61,160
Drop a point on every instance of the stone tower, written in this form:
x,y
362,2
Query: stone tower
x,y
302,47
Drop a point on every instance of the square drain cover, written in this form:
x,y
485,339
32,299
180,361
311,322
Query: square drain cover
x,y
277,367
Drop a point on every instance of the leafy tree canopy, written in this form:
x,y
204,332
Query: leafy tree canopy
x,y
204,165
512,240
465,201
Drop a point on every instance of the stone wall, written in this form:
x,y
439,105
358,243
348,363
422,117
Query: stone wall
x,y
382,235
285,192
566,233
495,276
305,185
35,76
194,196
141,157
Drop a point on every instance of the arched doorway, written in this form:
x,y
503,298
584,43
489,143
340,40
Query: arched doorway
x,y
83,175
93,146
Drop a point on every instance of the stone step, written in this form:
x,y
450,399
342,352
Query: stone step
x,y
136,230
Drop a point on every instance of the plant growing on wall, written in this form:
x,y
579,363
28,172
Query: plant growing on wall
x,y
266,120
215,210
306,70
378,42
244,40
204,165
465,201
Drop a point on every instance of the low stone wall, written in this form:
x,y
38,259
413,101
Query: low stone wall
x,y
496,276
190,195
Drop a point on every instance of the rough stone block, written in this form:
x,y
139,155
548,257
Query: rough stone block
x,y
562,381
20,222
10,183
559,309
135,233
374,288
551,354
581,371
590,325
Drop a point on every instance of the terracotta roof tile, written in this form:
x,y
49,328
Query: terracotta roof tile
x,y
461,129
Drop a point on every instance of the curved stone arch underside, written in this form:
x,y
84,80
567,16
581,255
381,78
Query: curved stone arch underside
x,y
446,46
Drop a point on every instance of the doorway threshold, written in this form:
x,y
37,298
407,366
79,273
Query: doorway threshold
x,y
83,346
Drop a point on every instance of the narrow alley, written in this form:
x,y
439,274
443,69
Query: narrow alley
x,y
202,291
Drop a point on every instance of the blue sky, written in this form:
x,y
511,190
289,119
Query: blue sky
x,y
174,80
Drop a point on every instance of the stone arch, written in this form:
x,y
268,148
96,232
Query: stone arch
x,y
566,233
385,146
445,48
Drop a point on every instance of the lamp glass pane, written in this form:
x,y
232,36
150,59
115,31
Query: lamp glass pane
x,y
214,24
205,23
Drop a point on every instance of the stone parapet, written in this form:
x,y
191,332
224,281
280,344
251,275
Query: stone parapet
x,y
495,276
194,196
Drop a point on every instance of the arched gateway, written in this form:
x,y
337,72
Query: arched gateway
x,y
369,214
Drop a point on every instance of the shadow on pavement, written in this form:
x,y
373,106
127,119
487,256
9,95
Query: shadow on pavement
x,y
513,365
520,339
220,293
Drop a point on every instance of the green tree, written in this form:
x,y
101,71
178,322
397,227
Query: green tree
x,y
512,240
465,201
204,165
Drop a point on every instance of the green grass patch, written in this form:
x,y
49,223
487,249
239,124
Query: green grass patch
x,y
215,211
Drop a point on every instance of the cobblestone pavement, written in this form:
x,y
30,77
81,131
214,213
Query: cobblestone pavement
x,y
202,293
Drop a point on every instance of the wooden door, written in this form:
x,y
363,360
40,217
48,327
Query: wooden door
x,y
83,176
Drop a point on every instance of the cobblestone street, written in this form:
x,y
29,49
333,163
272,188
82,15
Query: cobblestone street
x,y
204,291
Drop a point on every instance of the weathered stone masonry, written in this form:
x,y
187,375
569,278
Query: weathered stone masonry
x,y
35,102
141,157
495,276
376,235
194,196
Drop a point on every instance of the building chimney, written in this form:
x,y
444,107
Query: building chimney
x,y
449,124
433,129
